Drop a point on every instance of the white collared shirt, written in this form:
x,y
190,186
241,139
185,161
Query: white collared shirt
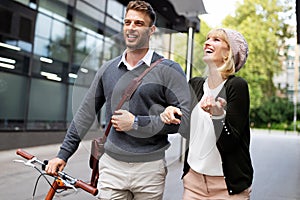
x,y
146,59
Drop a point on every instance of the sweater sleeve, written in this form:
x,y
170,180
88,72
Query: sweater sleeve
x,y
176,93
83,119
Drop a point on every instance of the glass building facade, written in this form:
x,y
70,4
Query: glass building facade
x,y
49,46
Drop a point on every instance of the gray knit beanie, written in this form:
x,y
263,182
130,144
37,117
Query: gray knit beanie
x,y
239,47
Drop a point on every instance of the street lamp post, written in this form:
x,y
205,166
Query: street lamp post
x,y
296,82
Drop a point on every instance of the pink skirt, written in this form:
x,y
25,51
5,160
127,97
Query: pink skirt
x,y
200,186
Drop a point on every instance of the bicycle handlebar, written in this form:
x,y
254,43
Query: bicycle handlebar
x,y
86,187
24,154
77,183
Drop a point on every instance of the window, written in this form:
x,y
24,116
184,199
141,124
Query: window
x,y
25,2
52,47
17,24
5,20
46,111
112,48
113,26
88,49
58,8
89,17
116,10
59,47
13,94
25,27
98,4
43,26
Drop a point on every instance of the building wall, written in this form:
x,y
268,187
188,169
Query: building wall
x,y
285,81
50,51
51,41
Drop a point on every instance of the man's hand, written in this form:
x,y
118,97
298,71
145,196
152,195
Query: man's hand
x,y
122,120
55,165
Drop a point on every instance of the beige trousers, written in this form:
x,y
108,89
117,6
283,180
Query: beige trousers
x,y
199,187
128,181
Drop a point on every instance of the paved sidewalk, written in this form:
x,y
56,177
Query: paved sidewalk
x,y
276,159
17,181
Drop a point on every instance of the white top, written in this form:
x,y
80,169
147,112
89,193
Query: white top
x,y
204,156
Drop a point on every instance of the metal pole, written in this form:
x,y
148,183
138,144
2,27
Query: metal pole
x,y
189,56
189,60
296,78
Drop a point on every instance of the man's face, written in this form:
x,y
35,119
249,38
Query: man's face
x,y
137,30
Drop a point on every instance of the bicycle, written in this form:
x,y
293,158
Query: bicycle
x,y
61,183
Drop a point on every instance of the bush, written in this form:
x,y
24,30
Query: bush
x,y
275,113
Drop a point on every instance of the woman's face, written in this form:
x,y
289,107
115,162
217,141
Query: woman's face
x,y
216,50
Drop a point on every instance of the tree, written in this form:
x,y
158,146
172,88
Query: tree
x,y
199,39
263,23
180,42
275,110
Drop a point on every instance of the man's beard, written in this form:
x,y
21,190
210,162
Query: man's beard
x,y
140,43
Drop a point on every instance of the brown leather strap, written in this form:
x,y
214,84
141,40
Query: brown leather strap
x,y
133,85
95,155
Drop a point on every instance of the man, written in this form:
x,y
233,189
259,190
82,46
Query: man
x,y
133,164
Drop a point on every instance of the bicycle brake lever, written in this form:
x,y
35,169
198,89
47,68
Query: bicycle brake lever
x,y
67,180
19,161
70,185
27,163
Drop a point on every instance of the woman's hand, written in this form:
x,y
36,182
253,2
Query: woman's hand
x,y
212,106
168,116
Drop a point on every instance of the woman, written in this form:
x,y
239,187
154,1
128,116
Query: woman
x,y
217,163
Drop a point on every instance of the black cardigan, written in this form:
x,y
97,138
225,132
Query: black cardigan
x,y
234,141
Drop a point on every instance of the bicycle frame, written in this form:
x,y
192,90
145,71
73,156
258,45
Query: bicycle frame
x,y
62,181
57,184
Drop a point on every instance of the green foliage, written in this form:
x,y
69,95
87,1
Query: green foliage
x,y
179,42
199,39
274,110
263,23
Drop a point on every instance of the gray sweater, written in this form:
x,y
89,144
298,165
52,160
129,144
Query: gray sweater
x,y
164,85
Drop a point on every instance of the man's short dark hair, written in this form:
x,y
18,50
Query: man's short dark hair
x,y
142,6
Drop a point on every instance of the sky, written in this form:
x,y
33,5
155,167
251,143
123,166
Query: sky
x,y
217,10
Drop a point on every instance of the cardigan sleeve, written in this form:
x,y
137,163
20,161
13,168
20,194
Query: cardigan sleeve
x,y
236,123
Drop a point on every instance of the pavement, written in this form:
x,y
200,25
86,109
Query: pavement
x,y
276,159
17,181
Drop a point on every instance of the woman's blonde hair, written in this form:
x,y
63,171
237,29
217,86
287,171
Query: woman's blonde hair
x,y
229,67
